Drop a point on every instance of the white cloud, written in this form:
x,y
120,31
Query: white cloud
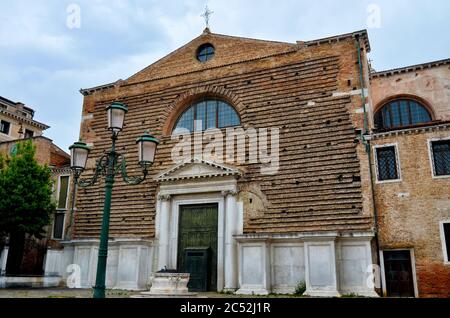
x,y
28,25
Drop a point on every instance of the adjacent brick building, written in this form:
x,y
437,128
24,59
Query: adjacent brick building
x,y
47,153
414,207
319,217
17,121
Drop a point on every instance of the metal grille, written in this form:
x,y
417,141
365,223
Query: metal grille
x,y
441,154
387,164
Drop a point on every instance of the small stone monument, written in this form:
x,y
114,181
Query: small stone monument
x,y
169,284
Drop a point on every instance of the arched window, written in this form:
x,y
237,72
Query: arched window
x,y
402,113
206,114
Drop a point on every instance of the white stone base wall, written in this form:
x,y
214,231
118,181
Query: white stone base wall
x,y
354,260
3,258
30,282
287,267
254,275
330,265
129,266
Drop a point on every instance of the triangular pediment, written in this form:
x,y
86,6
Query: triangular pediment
x,y
197,169
228,50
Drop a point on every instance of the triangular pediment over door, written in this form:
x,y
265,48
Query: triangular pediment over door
x,y
197,169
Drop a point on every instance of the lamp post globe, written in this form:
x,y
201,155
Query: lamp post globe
x,y
79,153
147,145
116,116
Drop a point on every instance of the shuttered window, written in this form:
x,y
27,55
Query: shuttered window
x,y
58,227
63,192
60,214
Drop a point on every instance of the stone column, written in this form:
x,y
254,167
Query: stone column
x,y
164,231
231,226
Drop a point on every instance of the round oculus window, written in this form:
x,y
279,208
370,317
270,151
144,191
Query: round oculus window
x,y
205,52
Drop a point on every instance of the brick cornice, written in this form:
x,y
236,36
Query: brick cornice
x,y
438,126
407,69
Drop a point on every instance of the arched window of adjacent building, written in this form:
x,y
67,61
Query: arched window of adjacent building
x,y
207,114
402,112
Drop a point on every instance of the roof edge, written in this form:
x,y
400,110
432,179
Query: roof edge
x,y
411,68
89,91
14,104
32,138
438,125
252,39
31,122
337,38
38,137
333,39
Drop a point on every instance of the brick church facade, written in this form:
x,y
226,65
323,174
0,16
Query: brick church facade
x,y
356,185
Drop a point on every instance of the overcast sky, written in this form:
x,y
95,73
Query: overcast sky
x,y
44,60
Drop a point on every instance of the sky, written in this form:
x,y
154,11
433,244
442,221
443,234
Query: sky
x,y
49,49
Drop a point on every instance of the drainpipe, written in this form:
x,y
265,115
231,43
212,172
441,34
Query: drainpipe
x,y
366,142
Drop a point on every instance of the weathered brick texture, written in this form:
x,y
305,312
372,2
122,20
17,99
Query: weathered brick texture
x,y
272,85
311,91
410,211
47,153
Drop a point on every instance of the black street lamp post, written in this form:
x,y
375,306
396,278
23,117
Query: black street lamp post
x,y
109,165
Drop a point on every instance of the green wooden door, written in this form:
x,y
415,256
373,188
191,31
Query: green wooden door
x,y
197,260
198,230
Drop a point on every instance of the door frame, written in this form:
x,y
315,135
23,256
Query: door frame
x,y
413,269
174,228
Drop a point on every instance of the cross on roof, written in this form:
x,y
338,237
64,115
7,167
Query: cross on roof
x,y
206,15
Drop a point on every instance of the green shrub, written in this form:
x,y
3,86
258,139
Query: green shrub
x,y
300,289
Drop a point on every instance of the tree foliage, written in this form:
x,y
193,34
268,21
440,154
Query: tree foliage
x,y
26,202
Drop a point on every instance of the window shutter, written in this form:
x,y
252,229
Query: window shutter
x,y
58,225
63,192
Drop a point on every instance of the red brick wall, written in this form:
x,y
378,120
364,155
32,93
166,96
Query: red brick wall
x,y
322,184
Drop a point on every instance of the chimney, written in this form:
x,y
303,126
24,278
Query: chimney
x,y
20,106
